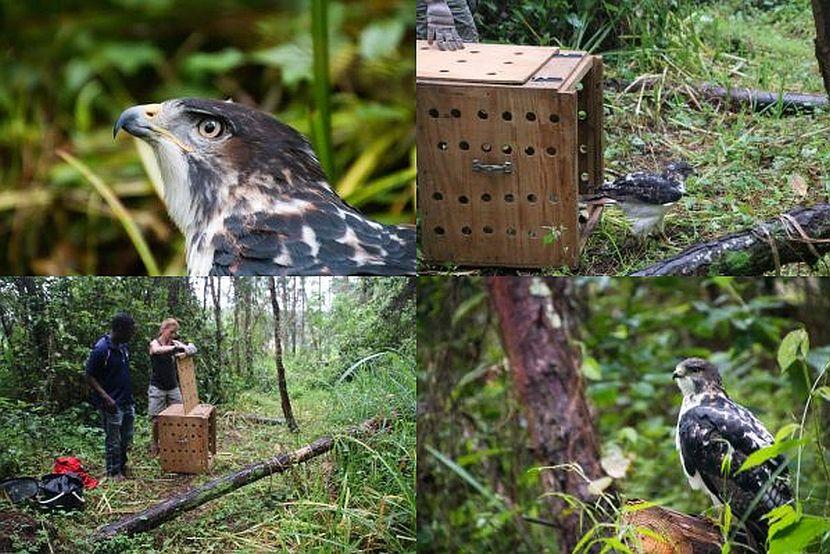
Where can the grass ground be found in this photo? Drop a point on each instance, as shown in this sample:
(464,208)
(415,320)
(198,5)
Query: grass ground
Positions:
(360,496)
(750,166)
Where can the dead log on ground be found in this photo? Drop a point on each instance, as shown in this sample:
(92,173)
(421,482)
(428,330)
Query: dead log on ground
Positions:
(256,418)
(733,98)
(801,235)
(155,515)
(673,532)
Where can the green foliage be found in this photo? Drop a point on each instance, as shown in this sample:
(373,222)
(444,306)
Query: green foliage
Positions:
(69,70)
(633,332)
(359,497)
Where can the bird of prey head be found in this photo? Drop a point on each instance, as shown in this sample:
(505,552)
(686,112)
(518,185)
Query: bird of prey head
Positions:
(696,375)
(251,198)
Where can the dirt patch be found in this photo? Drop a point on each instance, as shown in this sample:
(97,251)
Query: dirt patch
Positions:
(18,531)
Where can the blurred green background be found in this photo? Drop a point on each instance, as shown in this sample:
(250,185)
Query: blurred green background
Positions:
(67,69)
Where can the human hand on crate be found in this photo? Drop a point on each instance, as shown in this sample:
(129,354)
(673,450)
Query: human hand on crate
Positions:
(441,26)
(183,349)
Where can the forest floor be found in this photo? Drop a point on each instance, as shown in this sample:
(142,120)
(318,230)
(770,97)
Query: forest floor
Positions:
(335,502)
(750,167)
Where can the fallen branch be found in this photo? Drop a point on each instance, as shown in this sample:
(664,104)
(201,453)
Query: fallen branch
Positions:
(734,98)
(256,418)
(154,516)
(801,235)
(662,530)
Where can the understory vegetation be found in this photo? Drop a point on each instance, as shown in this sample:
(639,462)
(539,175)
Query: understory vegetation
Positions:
(349,355)
(479,478)
(750,166)
(69,70)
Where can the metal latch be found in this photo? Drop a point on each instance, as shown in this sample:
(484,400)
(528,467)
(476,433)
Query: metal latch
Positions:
(506,167)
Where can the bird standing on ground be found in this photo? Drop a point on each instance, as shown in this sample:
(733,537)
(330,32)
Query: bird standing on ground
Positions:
(251,198)
(645,198)
(711,426)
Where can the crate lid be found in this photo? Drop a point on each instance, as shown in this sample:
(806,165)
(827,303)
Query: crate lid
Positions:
(485,63)
(186,369)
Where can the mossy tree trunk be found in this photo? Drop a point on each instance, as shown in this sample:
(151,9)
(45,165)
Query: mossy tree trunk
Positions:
(821,14)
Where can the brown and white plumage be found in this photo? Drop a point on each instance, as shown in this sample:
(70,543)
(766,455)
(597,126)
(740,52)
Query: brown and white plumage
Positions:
(251,198)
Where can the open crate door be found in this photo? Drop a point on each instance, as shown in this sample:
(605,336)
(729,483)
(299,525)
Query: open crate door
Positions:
(186,368)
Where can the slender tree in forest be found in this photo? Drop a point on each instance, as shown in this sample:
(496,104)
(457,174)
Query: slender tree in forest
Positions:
(286,402)
(216,295)
(538,324)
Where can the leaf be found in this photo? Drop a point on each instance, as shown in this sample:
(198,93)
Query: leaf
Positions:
(598,485)
(381,38)
(797,537)
(823,392)
(213,62)
(786,431)
(614,462)
(591,368)
(760,456)
(798,184)
(294,60)
(782,517)
(794,346)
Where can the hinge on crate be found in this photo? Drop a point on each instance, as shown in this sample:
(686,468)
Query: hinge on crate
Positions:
(506,167)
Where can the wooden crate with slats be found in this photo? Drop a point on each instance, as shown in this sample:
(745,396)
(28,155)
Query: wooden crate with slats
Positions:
(508,138)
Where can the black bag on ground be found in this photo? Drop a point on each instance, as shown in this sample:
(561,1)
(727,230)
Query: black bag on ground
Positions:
(18,489)
(61,491)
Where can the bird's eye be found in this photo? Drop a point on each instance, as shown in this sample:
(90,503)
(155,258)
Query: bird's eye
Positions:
(210,128)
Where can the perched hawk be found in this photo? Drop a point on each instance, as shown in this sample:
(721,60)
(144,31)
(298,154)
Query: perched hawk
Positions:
(646,197)
(709,426)
(251,198)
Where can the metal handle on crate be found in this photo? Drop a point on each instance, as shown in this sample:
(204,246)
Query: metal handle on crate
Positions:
(506,167)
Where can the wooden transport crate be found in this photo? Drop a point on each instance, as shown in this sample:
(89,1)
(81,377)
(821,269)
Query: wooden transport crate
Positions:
(508,137)
(187,432)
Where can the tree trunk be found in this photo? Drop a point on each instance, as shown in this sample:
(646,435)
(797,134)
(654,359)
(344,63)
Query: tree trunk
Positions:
(155,515)
(216,295)
(286,402)
(801,235)
(537,325)
(237,339)
(821,14)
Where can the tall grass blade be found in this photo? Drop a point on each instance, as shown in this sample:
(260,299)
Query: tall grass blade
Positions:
(118,209)
(321,88)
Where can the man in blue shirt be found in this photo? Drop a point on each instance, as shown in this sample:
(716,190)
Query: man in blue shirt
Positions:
(108,373)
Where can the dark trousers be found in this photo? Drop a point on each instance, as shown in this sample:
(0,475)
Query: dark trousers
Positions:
(118,428)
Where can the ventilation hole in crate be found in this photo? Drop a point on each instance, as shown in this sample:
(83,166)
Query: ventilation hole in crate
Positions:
(550,150)
(554,118)
(437,196)
(509,198)
(518,53)
(583,148)
(507,116)
(582,115)
(466,230)
(530,150)
(553,198)
(474,51)
(424,47)
(433,112)
(482,114)
(508,62)
(464,145)
(486,197)
(487,230)
(507,149)
(461,61)
(531,234)
(455,112)
(492,73)
(463,199)
(442,145)
(584,177)
(443,70)
(511,231)
(579,86)
(531,198)
(439,230)
(486,146)
(530,116)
